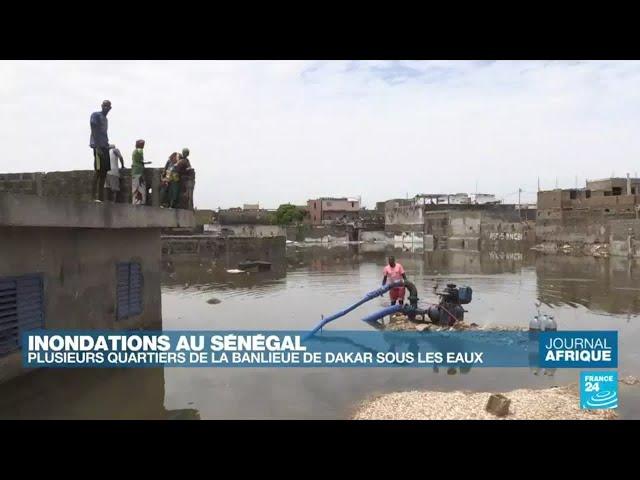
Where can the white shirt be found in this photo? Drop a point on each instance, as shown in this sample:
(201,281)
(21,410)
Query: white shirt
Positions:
(114,157)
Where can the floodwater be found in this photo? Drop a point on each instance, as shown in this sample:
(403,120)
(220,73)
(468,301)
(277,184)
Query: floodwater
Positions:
(581,292)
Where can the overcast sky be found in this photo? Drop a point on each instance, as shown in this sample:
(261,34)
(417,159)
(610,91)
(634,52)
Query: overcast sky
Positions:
(273,132)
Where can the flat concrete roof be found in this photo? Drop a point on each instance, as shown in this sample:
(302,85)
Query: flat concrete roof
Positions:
(19,210)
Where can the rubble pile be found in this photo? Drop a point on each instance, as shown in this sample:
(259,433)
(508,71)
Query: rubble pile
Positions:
(400,322)
(556,403)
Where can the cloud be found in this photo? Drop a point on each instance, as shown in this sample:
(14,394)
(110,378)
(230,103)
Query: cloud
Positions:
(275,132)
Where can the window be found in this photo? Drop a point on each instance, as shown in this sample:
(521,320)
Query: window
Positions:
(587,193)
(21,309)
(633,190)
(128,290)
(352,204)
(573,194)
(617,190)
(328,204)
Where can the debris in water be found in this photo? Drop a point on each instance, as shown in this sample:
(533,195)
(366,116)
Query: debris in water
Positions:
(213,301)
(235,270)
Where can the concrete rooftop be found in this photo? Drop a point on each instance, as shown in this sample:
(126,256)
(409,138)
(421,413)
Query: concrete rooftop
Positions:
(21,210)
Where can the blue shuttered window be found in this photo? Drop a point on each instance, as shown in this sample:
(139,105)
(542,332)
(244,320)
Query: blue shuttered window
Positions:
(128,289)
(21,309)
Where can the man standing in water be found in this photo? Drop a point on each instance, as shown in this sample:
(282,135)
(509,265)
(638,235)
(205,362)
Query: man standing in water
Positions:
(394,272)
(99,142)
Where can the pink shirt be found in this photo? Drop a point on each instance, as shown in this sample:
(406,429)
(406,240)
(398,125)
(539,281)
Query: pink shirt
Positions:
(393,274)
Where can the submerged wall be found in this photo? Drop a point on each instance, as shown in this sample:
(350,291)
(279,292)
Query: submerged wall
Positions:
(227,252)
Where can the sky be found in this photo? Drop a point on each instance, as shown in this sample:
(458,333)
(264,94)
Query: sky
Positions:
(273,132)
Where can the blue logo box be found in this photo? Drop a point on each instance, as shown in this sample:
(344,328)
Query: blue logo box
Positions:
(599,390)
(579,349)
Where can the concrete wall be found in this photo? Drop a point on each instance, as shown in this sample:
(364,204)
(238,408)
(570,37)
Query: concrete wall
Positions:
(32,211)
(573,232)
(246,230)
(318,233)
(375,236)
(77,184)
(79,270)
(404,219)
(243,217)
(624,238)
(227,251)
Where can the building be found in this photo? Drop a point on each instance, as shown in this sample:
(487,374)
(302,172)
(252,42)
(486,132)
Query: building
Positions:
(457,220)
(327,210)
(71,264)
(586,215)
(240,216)
(483,198)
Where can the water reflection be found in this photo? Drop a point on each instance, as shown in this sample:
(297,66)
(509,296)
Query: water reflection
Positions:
(123,394)
(603,285)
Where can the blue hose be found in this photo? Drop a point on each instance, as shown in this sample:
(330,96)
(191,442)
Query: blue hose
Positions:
(369,296)
(382,313)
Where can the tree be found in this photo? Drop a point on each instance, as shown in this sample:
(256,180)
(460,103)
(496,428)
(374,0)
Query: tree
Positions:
(288,214)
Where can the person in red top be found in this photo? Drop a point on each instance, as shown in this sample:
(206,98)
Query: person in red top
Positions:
(394,272)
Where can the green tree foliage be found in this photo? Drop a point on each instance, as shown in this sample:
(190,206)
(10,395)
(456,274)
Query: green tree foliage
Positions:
(288,214)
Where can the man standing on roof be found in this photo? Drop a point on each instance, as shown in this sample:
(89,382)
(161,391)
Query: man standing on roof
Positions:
(99,142)
(394,272)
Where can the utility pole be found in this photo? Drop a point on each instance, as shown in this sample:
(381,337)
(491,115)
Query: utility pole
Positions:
(538,183)
(519,192)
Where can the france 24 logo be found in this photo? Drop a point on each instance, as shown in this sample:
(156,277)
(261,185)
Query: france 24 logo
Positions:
(599,390)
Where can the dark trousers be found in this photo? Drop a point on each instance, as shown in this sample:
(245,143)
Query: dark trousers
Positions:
(174,194)
(101,164)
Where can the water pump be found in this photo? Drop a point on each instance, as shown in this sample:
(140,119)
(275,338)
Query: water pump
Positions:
(450,309)
(447,312)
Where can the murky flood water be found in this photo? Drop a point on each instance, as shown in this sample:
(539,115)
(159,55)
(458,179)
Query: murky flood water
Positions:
(582,293)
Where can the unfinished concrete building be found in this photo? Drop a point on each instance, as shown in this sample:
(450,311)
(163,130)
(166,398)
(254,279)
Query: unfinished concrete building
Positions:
(458,225)
(604,211)
(73,264)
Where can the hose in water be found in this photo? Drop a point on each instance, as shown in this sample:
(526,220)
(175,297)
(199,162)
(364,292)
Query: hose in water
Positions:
(369,296)
(383,313)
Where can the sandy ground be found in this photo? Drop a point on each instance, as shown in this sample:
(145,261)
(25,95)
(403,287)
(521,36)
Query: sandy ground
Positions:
(558,403)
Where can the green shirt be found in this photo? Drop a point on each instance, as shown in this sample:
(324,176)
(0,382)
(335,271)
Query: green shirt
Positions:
(137,167)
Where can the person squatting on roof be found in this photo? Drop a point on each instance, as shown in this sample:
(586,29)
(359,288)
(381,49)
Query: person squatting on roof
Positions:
(113,175)
(99,142)
(138,186)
